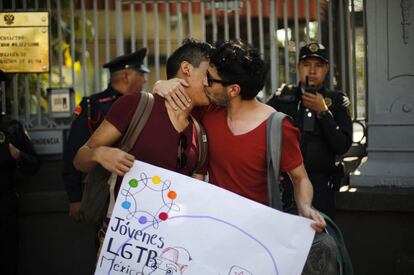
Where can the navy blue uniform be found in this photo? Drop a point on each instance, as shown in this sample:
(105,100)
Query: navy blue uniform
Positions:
(89,115)
(322,139)
(12,132)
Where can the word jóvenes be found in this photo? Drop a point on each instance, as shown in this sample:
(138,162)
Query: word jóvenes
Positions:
(128,250)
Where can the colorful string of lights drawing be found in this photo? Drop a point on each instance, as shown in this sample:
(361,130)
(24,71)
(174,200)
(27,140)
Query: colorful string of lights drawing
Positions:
(155,184)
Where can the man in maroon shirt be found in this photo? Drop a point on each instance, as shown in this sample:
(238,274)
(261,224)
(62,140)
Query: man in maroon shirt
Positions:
(237,133)
(165,129)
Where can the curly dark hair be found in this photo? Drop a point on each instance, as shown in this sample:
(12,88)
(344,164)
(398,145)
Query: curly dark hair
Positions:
(192,51)
(239,63)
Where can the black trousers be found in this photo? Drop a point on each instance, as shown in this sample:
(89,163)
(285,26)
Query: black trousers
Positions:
(323,194)
(9,233)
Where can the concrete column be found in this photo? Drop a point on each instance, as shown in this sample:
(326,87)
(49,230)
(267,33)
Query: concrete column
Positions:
(119,29)
(390,65)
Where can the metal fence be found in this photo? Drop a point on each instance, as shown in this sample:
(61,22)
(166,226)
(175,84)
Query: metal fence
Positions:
(85,34)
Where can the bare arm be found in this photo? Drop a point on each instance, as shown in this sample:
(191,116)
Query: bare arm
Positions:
(98,149)
(303,196)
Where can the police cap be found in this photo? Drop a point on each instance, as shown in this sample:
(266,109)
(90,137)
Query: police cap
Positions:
(133,61)
(314,50)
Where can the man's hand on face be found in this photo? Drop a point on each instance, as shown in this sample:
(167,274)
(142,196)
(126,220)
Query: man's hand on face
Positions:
(315,102)
(173,90)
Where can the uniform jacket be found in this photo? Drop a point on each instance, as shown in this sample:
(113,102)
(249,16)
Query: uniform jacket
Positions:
(88,116)
(12,131)
(331,134)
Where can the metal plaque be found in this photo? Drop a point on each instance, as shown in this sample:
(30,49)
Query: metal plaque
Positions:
(24,42)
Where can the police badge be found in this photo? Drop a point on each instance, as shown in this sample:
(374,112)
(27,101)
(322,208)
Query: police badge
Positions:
(314,47)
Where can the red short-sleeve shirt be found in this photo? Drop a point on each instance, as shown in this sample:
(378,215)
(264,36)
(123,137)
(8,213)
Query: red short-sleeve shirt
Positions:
(238,162)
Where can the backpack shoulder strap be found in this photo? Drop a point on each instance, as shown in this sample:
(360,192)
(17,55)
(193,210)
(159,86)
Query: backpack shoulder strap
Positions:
(343,258)
(202,144)
(138,121)
(273,148)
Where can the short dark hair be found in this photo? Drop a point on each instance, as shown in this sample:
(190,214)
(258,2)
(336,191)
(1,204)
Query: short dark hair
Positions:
(192,51)
(239,63)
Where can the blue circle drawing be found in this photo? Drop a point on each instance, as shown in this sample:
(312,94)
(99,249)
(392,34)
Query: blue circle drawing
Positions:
(126,204)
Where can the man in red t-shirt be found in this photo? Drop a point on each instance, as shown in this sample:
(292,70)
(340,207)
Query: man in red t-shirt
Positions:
(237,133)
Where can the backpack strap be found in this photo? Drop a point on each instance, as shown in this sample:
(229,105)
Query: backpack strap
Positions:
(273,148)
(202,144)
(328,251)
(138,121)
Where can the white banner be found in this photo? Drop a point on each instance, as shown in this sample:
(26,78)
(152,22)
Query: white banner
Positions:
(167,223)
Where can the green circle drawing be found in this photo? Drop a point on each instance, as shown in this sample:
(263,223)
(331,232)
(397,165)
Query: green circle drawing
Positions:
(133,183)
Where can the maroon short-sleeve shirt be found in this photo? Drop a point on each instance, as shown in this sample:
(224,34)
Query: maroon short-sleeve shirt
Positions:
(158,142)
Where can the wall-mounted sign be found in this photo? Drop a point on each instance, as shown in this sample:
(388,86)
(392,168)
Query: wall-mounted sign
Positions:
(47,142)
(24,42)
(61,102)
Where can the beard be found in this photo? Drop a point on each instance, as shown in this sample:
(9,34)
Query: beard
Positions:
(218,99)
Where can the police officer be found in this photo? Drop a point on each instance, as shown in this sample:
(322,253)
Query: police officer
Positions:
(17,155)
(324,122)
(127,76)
